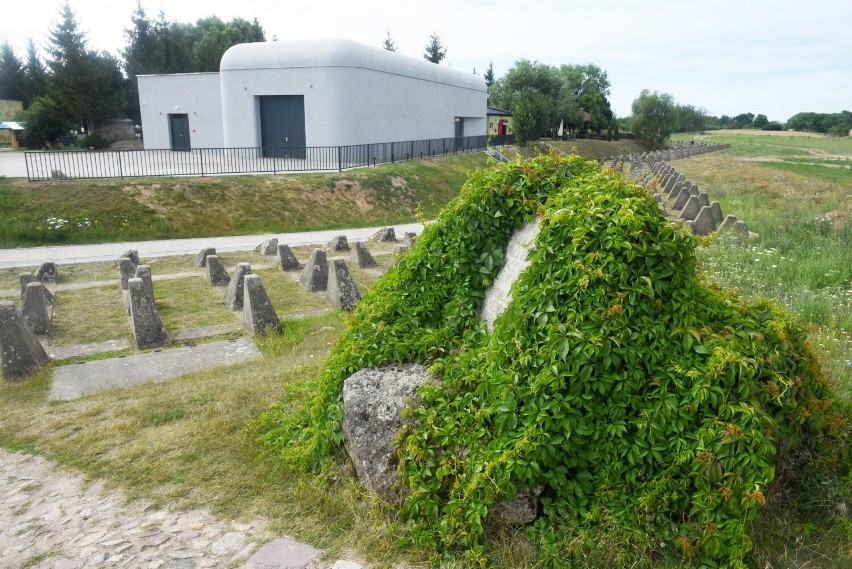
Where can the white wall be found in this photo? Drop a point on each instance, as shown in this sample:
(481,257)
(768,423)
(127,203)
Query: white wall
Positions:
(194,94)
(345,105)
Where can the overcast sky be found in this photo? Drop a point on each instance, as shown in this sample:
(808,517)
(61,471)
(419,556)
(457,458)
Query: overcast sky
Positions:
(776,57)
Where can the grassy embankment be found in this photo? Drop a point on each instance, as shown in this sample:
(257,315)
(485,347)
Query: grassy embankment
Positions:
(187,443)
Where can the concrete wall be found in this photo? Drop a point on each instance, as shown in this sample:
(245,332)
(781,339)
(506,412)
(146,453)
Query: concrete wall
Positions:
(194,94)
(345,106)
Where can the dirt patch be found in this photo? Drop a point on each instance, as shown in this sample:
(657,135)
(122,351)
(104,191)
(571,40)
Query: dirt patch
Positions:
(147,196)
(758,159)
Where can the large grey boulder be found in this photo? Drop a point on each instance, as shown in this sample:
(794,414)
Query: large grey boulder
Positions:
(20,351)
(216,273)
(286,259)
(315,275)
(234,293)
(148,329)
(258,314)
(36,309)
(341,291)
(372,401)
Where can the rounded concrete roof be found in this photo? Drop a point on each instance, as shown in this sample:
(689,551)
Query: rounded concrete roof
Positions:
(341,53)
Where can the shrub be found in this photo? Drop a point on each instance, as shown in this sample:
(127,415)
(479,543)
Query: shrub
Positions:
(95,141)
(643,401)
(772,126)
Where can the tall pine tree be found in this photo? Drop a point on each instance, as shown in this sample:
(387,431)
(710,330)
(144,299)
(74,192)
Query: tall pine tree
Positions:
(11,74)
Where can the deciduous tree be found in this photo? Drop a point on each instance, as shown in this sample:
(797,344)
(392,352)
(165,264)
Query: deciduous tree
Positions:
(654,117)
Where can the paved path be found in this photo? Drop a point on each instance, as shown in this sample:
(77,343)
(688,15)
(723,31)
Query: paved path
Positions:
(51,519)
(65,254)
(12,164)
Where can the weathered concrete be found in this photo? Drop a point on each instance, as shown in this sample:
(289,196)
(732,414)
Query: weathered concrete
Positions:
(384,234)
(142,272)
(46,271)
(268,247)
(690,210)
(703,223)
(234,293)
(259,316)
(201,258)
(315,275)
(216,273)
(126,270)
(372,401)
(20,351)
(133,255)
(681,199)
(64,353)
(497,296)
(341,291)
(148,330)
(338,243)
(25,279)
(716,210)
(286,259)
(361,256)
(36,310)
(703,199)
(728,223)
(70,382)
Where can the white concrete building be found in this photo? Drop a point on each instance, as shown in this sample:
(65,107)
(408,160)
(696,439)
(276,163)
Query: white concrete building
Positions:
(311,93)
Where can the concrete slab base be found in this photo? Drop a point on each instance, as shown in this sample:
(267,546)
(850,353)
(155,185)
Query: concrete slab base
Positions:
(70,382)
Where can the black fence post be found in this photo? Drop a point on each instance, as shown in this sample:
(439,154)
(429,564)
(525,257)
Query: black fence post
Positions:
(339,159)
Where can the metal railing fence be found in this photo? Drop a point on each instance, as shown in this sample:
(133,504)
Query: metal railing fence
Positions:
(86,164)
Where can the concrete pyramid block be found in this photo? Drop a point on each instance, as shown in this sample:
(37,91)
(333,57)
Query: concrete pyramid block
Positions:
(36,309)
(361,256)
(703,199)
(728,223)
(133,255)
(142,272)
(268,247)
(234,294)
(126,270)
(148,329)
(286,259)
(258,314)
(216,273)
(20,351)
(716,209)
(383,235)
(691,209)
(338,243)
(315,275)
(341,292)
(46,271)
(201,257)
(703,222)
(25,279)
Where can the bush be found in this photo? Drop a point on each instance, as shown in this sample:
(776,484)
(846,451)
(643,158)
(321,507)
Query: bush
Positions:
(774,125)
(643,402)
(95,141)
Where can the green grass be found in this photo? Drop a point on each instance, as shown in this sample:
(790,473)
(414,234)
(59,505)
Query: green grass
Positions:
(94,211)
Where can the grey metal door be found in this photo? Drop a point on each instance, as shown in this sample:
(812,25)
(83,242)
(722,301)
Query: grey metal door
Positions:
(282,125)
(179,132)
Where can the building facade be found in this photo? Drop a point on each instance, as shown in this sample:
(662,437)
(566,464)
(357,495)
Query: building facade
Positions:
(280,95)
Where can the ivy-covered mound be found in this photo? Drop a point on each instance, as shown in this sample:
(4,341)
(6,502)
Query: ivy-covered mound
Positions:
(637,396)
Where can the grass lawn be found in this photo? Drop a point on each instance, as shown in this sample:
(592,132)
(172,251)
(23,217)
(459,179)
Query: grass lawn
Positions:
(189,442)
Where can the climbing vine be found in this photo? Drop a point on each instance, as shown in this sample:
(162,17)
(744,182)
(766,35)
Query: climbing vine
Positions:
(631,392)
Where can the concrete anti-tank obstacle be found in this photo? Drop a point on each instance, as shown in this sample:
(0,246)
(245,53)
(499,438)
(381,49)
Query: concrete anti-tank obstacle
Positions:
(716,210)
(338,243)
(361,256)
(20,351)
(201,257)
(384,234)
(342,291)
(36,310)
(728,223)
(133,255)
(142,272)
(268,247)
(46,271)
(703,222)
(315,275)
(234,294)
(286,259)
(691,209)
(703,199)
(259,316)
(681,199)
(25,279)
(148,329)
(216,273)
(126,270)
